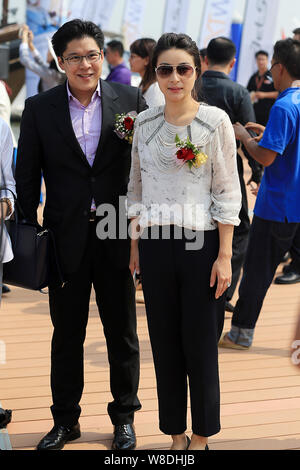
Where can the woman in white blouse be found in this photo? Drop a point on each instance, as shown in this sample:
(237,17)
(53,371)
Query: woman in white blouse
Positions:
(141,52)
(173,199)
(6,198)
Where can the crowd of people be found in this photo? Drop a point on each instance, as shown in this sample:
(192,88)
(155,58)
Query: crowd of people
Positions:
(192,125)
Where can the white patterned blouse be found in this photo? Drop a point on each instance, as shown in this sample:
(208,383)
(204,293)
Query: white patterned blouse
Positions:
(163,190)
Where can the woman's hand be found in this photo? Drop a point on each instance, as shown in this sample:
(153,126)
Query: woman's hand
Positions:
(134,264)
(222,273)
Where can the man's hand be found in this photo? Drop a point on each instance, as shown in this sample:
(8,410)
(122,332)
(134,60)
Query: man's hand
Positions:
(3,210)
(240,132)
(262,155)
(257,128)
(254,189)
(260,95)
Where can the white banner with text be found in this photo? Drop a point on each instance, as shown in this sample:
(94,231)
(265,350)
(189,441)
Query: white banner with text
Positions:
(98,11)
(176,16)
(133,21)
(258,34)
(217,19)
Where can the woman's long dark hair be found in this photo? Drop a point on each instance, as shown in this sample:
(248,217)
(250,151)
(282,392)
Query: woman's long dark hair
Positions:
(180,41)
(144,47)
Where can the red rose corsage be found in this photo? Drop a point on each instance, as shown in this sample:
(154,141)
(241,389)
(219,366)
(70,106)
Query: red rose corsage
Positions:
(190,153)
(124,125)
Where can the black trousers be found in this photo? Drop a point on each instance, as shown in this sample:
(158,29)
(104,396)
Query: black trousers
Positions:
(69,309)
(240,235)
(295,252)
(185,322)
(268,243)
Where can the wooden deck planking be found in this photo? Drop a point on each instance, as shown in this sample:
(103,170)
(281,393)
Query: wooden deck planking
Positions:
(260,388)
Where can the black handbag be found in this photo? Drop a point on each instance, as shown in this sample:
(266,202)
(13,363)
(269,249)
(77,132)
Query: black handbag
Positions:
(35,264)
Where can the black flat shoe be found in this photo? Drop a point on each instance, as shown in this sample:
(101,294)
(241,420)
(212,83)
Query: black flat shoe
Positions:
(5,418)
(124,437)
(58,437)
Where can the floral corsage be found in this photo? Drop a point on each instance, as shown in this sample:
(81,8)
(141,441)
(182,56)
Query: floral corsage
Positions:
(124,125)
(190,153)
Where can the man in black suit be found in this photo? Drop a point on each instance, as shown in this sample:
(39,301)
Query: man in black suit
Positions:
(219,90)
(67,134)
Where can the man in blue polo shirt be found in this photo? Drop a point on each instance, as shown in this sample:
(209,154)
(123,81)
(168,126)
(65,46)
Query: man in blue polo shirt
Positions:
(277,210)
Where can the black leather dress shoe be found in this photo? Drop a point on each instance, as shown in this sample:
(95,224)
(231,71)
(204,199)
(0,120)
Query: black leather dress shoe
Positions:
(124,437)
(58,437)
(5,418)
(5,289)
(289,277)
(287,268)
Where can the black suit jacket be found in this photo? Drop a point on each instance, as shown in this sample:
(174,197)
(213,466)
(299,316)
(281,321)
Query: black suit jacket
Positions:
(48,146)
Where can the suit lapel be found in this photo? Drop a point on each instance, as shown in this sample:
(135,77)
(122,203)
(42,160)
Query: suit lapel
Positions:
(63,121)
(109,111)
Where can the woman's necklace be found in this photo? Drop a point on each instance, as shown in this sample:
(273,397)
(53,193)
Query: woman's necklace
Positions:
(163,144)
(164,152)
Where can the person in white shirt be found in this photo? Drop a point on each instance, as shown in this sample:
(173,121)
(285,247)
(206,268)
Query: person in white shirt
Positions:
(6,210)
(30,58)
(184,186)
(140,61)
(7,187)
(5,104)
(5,108)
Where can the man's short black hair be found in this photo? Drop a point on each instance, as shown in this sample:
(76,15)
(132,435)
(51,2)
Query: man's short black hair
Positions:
(287,53)
(116,46)
(75,29)
(203,53)
(261,53)
(297,31)
(221,51)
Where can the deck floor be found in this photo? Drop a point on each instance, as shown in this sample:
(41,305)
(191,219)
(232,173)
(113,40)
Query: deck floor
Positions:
(260,388)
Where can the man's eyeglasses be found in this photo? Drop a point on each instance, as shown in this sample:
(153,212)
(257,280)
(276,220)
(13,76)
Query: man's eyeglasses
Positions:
(275,63)
(183,70)
(77,59)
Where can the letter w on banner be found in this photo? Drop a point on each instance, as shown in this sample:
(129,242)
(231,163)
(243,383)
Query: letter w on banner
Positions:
(217,19)
(176,16)
(258,33)
(133,21)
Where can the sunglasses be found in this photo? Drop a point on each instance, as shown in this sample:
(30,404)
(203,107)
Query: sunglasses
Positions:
(184,70)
